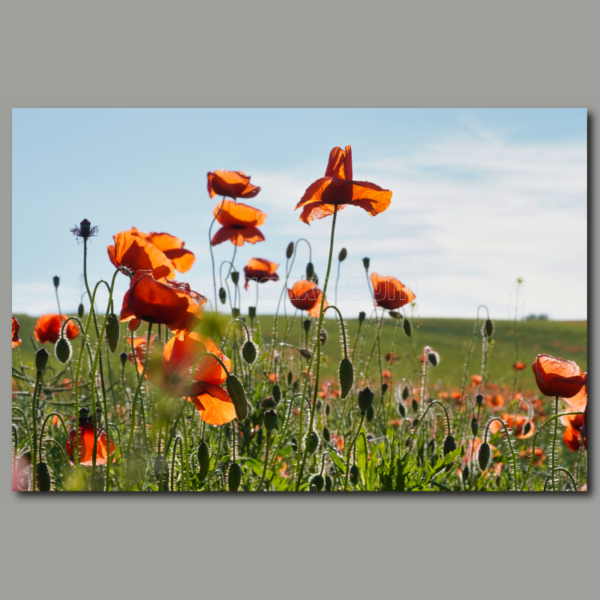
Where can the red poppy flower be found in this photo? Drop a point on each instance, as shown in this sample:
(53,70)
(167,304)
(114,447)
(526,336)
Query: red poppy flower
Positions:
(47,328)
(517,424)
(579,401)
(558,377)
(172,247)
(391,357)
(16,340)
(171,372)
(495,400)
(132,251)
(260,270)
(519,366)
(233,184)
(171,303)
(86,445)
(240,223)
(305,295)
(456,396)
(385,374)
(389,292)
(572,434)
(337,188)
(540,456)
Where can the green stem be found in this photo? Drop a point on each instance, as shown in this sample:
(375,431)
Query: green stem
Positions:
(554,444)
(34,417)
(260,484)
(362,418)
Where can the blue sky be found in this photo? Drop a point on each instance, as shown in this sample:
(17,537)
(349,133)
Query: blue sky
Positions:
(480,197)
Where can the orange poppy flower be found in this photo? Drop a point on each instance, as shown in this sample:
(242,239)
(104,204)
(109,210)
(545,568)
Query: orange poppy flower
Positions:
(233,184)
(171,303)
(456,396)
(579,401)
(517,425)
(386,374)
(86,445)
(239,223)
(337,188)
(16,340)
(572,434)
(260,270)
(139,347)
(172,247)
(389,292)
(495,400)
(445,396)
(558,377)
(337,441)
(47,328)
(130,250)
(540,456)
(476,379)
(305,295)
(519,366)
(171,372)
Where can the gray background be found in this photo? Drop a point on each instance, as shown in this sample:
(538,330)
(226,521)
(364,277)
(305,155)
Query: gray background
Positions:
(455,54)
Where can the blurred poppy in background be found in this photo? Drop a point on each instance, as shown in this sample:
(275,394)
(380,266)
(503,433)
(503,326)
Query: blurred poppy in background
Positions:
(16,340)
(47,328)
(389,292)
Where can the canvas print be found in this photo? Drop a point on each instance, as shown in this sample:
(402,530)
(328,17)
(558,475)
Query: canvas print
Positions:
(299,300)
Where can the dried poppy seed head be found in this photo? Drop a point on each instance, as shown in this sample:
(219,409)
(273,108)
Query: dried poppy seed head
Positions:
(85,230)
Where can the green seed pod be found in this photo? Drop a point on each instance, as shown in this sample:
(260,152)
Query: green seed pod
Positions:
(479,399)
(327,409)
(474,425)
(63,350)
(270,420)
(449,445)
(203,459)
(370,414)
(222,295)
(306,324)
(483,456)
(236,392)
(366,263)
(407,327)
(81,311)
(235,313)
(98,481)
(312,442)
(310,270)
(290,377)
(56,280)
(113,332)
(43,474)
(365,400)
(489,328)
(123,356)
(318,481)
(328,483)
(289,252)
(326,434)
(361,317)
(415,423)
(249,352)
(346,377)
(235,277)
(354,474)
(415,405)
(41,360)
(234,477)
(252,312)
(401,409)
(342,255)
(433,358)
(465,473)
(268,403)
(276,393)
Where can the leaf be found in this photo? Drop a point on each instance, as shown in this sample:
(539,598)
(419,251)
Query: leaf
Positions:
(361,454)
(338,461)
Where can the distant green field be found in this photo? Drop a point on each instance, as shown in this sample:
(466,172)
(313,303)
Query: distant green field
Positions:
(449,337)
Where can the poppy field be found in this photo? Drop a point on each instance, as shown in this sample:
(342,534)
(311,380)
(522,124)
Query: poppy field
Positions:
(166,389)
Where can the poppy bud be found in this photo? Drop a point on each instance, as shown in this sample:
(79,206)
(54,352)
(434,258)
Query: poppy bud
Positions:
(235,313)
(415,405)
(346,377)
(365,399)
(433,358)
(474,425)
(361,317)
(203,455)
(465,473)
(236,392)
(354,474)
(81,311)
(56,281)
(268,402)
(312,441)
(489,328)
(270,420)
(384,388)
(84,413)
(222,295)
(113,332)
(431,446)
(306,324)
(276,393)
(449,445)
(290,377)
(407,327)
(252,312)
(479,399)
(234,477)
(310,270)
(305,353)
(370,414)
(401,409)
(123,356)
(63,350)
(319,404)
(41,360)
(43,474)
(394,314)
(318,482)
(326,434)
(483,457)
(323,337)
(235,277)
(327,409)
(405,392)
(342,255)
(289,252)
(249,351)
(366,263)
(328,483)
